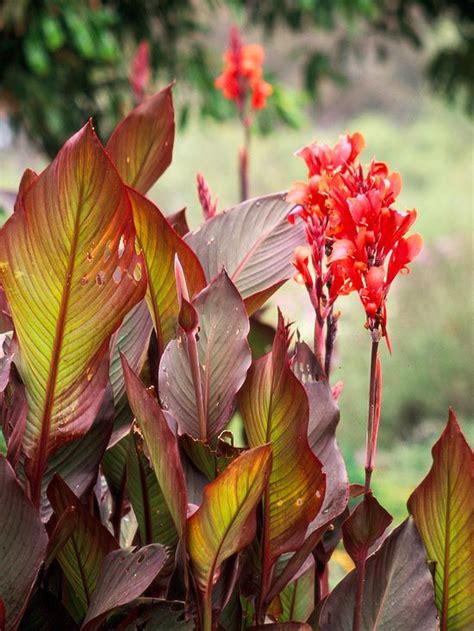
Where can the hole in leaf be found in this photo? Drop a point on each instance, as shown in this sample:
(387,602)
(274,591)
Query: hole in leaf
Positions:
(84,280)
(90,256)
(121,247)
(137,272)
(100,278)
(117,275)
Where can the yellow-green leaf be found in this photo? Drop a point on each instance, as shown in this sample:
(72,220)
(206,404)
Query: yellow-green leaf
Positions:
(70,273)
(226,521)
(442,507)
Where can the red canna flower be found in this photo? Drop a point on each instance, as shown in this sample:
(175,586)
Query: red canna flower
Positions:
(140,72)
(356,236)
(242,79)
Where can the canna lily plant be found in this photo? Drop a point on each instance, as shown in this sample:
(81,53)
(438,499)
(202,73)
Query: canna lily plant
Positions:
(129,348)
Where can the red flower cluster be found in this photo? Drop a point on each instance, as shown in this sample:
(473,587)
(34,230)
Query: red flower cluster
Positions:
(352,225)
(243,74)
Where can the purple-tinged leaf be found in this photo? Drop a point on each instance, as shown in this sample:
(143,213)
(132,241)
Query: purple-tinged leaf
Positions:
(443,509)
(323,421)
(132,339)
(398,590)
(124,576)
(179,222)
(254,242)
(23,542)
(223,358)
(160,245)
(364,527)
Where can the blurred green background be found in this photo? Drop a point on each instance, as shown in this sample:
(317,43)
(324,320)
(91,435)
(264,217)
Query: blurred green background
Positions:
(404,82)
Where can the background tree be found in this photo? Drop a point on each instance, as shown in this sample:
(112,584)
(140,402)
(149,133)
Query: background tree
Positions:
(64,60)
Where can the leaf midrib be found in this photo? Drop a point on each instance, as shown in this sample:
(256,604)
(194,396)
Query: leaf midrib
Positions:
(40,461)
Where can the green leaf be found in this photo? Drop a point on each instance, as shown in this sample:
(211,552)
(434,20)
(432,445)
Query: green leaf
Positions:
(155,522)
(254,243)
(81,556)
(442,506)
(124,576)
(223,357)
(296,600)
(398,590)
(162,447)
(23,542)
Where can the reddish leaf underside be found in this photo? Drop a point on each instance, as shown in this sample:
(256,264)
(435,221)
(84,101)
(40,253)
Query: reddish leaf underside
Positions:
(223,357)
(398,591)
(70,273)
(443,509)
(254,242)
(124,576)
(23,542)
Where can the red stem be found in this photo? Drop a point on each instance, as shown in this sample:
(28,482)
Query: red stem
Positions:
(360,577)
(371,445)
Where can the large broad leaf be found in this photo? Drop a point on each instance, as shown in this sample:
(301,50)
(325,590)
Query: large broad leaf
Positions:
(70,273)
(323,421)
(124,576)
(162,447)
(132,339)
(226,520)
(274,406)
(223,357)
(155,522)
(141,145)
(23,544)
(89,543)
(160,245)
(442,507)
(254,242)
(398,590)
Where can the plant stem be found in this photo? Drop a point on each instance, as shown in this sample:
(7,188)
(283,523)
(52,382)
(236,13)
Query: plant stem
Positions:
(207,613)
(370,446)
(196,376)
(244,161)
(360,578)
(331,332)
